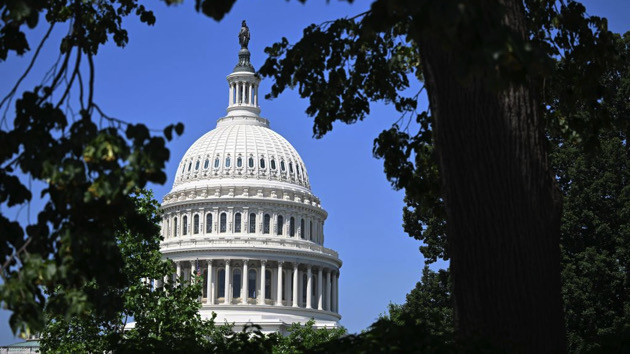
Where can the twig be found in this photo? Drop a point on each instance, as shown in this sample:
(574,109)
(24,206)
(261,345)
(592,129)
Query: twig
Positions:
(91,90)
(15,254)
(77,67)
(30,66)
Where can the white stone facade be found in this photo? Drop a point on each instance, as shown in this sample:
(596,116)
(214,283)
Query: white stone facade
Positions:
(241,215)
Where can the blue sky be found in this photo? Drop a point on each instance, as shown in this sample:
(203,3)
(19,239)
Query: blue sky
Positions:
(175,72)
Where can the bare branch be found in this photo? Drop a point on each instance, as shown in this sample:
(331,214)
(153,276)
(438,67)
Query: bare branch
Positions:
(77,67)
(13,256)
(30,65)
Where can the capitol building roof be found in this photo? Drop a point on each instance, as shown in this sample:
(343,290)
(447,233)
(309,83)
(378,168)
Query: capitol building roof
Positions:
(243,150)
(242,218)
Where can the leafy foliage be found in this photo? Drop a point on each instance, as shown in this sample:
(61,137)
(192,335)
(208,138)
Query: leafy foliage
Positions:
(305,338)
(595,241)
(166,318)
(88,168)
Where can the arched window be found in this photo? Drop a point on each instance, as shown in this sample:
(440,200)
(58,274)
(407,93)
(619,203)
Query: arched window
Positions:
(197,165)
(236,283)
(206,164)
(228,162)
(239,162)
(223,226)
(291,167)
(267,284)
(292,227)
(280,224)
(175,229)
(221,283)
(282,167)
(252,223)
(310,231)
(184,225)
(251,284)
(196,224)
(168,227)
(216,163)
(189,166)
(250,163)
(302,229)
(262,163)
(208,223)
(273,164)
(237,222)
(297,170)
(184,168)
(266,223)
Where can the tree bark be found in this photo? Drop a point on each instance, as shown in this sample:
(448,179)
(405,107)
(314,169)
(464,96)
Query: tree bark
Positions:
(503,207)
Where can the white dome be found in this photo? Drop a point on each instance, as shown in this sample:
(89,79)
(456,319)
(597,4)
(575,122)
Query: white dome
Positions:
(241,148)
(241,215)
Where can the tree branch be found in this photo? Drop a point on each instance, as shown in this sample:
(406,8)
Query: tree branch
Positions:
(13,256)
(30,66)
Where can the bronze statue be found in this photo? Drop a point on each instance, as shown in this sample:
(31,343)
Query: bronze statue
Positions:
(243,35)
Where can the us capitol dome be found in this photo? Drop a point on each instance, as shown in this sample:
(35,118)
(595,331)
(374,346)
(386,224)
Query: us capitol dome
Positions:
(241,215)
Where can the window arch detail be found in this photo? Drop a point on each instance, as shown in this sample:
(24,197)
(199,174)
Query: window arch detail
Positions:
(266,223)
(223,222)
(280,224)
(252,223)
(237,222)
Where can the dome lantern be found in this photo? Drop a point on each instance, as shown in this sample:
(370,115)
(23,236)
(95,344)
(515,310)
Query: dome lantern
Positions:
(243,82)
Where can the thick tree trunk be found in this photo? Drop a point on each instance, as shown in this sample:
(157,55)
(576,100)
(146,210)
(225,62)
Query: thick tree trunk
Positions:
(502,205)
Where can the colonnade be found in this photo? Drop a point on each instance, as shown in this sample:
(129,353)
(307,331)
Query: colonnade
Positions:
(243,92)
(263,282)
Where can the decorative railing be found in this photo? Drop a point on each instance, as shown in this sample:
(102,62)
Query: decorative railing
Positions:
(174,244)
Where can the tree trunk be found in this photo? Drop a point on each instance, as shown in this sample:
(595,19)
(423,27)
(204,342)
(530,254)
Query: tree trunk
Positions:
(503,208)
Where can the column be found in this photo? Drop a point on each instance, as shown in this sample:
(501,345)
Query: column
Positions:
(231,94)
(179,271)
(295,284)
(193,270)
(309,287)
(279,292)
(337,292)
(319,289)
(226,297)
(328,291)
(165,280)
(245,285)
(263,285)
(251,94)
(210,296)
(334,293)
(256,97)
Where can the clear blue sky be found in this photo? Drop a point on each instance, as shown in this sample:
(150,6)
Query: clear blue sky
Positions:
(175,72)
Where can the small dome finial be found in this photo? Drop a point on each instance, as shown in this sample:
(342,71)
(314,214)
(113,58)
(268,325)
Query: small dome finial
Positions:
(243,55)
(243,35)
